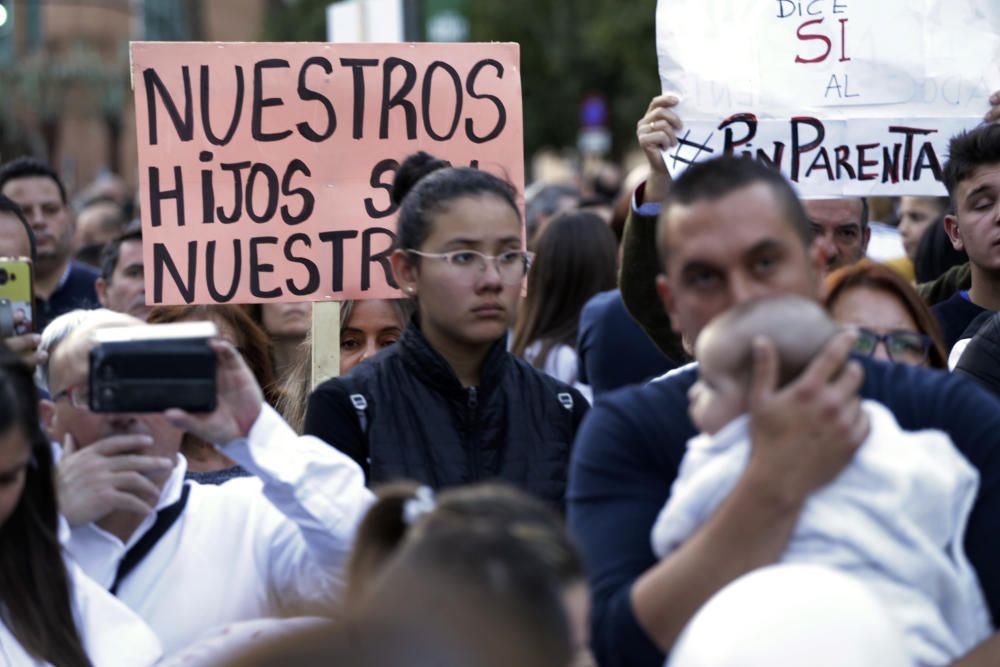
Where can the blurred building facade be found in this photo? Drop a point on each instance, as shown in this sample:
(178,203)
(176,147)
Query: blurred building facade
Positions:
(64,74)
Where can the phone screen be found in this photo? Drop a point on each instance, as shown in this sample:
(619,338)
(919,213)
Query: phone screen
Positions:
(15,286)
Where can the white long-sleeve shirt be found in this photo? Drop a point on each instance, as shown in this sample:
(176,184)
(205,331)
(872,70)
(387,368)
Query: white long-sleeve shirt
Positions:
(271,545)
(111,633)
(894,518)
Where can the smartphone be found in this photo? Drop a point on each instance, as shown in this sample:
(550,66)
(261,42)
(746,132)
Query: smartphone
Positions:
(153,367)
(17,287)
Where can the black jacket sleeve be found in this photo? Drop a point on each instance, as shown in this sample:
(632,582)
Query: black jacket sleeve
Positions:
(637,280)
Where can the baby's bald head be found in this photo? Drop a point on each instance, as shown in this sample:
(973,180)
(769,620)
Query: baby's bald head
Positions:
(798,328)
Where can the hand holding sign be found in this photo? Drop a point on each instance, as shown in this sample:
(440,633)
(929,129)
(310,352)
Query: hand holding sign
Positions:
(656,132)
(993,115)
(844,97)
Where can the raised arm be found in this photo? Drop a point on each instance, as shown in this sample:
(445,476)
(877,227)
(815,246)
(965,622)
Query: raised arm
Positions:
(318,490)
(655,131)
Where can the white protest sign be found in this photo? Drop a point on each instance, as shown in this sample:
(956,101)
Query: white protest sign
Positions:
(846,97)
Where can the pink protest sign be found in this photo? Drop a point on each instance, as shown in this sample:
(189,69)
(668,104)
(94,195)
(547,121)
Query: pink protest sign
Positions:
(265,169)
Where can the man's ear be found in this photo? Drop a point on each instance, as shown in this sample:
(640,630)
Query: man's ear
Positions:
(47,412)
(951,229)
(667,298)
(101,287)
(405,271)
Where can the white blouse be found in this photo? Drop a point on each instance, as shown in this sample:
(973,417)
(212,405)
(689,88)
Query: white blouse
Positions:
(111,632)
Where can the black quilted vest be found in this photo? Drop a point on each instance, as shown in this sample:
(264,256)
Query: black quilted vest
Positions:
(422,424)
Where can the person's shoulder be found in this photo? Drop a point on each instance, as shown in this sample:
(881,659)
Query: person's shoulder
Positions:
(929,398)
(82,272)
(522,371)
(642,429)
(883,379)
(954,298)
(331,392)
(956,303)
(563,363)
(661,400)
(361,375)
(600,302)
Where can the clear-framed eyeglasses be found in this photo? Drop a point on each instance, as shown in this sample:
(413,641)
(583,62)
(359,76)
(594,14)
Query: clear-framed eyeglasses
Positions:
(78,395)
(512,266)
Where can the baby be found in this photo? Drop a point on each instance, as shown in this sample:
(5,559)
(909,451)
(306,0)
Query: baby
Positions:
(895,517)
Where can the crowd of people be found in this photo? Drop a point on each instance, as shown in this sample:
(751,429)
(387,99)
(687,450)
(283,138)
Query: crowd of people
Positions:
(605,433)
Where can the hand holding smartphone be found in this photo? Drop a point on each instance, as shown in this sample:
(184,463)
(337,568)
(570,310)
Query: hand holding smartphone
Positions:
(17,289)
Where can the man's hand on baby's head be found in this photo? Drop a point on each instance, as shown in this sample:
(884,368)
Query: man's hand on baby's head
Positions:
(806,432)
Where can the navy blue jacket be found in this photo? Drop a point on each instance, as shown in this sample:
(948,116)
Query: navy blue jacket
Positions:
(614,351)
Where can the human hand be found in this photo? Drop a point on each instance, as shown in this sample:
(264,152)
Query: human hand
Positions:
(805,433)
(656,132)
(239,401)
(993,115)
(108,476)
(25,346)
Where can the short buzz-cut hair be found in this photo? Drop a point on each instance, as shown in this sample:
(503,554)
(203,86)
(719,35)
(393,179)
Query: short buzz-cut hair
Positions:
(113,248)
(967,151)
(29,167)
(713,179)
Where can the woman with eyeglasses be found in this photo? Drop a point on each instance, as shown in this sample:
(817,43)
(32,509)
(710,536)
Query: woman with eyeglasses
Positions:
(892,321)
(448,404)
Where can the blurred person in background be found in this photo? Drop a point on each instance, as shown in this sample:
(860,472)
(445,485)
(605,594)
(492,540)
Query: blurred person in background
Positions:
(61,284)
(98,222)
(109,186)
(940,269)
(545,201)
(369,326)
(462,594)
(286,325)
(575,258)
(366,328)
(407,514)
(122,286)
(885,244)
(916,216)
